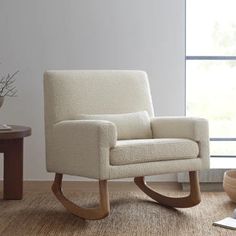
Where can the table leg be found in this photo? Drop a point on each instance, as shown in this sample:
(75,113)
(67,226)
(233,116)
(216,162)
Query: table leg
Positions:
(13,170)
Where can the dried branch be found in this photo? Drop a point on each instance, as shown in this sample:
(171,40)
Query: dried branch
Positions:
(7,87)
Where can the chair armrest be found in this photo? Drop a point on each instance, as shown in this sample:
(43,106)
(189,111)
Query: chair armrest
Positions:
(180,127)
(99,132)
(82,147)
(184,127)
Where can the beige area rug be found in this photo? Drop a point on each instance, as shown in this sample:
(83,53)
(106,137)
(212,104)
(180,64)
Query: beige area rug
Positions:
(132,213)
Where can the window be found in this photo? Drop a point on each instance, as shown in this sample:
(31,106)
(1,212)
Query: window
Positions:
(211,70)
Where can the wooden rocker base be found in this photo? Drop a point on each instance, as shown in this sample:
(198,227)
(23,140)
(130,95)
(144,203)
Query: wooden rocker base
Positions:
(85,213)
(191,200)
(104,206)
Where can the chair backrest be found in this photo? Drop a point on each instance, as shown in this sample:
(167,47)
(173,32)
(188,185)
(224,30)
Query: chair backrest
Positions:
(67,94)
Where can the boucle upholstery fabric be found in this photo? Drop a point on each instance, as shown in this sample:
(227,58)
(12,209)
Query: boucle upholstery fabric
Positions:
(82,148)
(134,125)
(71,93)
(184,127)
(148,150)
(68,94)
(154,168)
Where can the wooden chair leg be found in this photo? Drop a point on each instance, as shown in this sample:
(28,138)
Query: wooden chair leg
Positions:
(191,200)
(86,213)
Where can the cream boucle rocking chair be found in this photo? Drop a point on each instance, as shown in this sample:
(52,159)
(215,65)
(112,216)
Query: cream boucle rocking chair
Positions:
(101,125)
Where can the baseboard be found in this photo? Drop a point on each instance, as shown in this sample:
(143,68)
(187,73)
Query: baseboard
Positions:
(155,178)
(205,176)
(93,186)
(205,187)
(115,186)
(210,180)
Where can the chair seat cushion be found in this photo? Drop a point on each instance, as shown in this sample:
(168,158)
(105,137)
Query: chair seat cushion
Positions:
(150,150)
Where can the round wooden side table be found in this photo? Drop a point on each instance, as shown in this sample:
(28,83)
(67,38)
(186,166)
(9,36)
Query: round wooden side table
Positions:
(11,145)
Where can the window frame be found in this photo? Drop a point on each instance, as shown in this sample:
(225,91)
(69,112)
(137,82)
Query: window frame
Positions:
(206,58)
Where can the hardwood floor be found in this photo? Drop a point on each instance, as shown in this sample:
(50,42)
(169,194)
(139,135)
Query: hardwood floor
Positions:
(87,186)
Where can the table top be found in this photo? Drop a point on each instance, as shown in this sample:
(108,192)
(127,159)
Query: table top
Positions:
(17,131)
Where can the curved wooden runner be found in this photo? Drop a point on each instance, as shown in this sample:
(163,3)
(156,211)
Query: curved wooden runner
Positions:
(192,199)
(86,213)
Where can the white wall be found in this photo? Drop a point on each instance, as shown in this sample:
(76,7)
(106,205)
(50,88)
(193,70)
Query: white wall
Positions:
(75,34)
